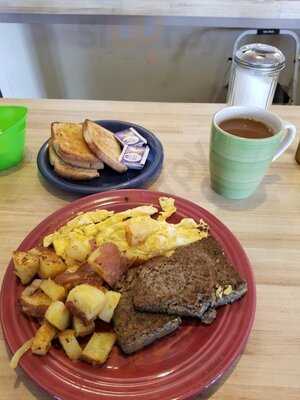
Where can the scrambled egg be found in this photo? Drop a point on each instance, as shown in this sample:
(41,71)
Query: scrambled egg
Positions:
(134,231)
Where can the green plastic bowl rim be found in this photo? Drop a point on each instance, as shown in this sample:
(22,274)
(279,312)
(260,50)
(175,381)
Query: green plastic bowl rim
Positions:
(25,111)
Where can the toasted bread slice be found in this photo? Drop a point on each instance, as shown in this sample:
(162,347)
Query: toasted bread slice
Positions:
(135,329)
(103,143)
(68,171)
(68,142)
(193,280)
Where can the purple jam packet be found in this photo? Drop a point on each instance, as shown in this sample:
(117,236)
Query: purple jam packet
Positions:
(130,137)
(134,157)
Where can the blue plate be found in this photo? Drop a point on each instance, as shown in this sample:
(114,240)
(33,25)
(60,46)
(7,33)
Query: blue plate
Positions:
(109,179)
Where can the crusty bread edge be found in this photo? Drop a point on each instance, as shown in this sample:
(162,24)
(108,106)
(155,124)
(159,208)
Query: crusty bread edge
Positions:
(116,165)
(72,159)
(76,174)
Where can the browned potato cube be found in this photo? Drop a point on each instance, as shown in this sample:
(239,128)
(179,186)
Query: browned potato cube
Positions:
(70,344)
(26,265)
(81,329)
(53,290)
(50,264)
(98,347)
(86,302)
(58,315)
(42,339)
(33,301)
(111,301)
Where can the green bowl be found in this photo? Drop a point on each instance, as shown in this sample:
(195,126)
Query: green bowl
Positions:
(12,135)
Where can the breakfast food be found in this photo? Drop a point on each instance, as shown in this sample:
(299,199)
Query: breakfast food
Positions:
(26,265)
(135,232)
(41,342)
(194,279)
(103,143)
(135,329)
(85,302)
(69,171)
(99,347)
(131,269)
(69,343)
(70,146)
(77,151)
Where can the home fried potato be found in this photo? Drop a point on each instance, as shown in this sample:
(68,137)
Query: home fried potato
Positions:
(26,265)
(70,344)
(42,340)
(78,264)
(111,301)
(82,329)
(85,302)
(108,262)
(53,290)
(58,315)
(33,301)
(99,347)
(50,264)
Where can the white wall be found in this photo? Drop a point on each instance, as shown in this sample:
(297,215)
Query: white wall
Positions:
(177,63)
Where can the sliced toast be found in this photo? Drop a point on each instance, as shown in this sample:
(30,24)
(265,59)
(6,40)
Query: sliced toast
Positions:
(103,144)
(192,281)
(135,329)
(68,171)
(70,146)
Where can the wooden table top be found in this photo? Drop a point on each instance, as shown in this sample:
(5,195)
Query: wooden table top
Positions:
(271,9)
(267,224)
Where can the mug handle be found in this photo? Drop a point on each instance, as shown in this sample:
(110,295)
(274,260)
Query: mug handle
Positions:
(287,140)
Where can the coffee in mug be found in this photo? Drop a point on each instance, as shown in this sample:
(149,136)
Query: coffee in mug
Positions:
(244,141)
(247,128)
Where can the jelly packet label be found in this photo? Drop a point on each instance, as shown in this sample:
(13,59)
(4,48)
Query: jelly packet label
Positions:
(134,157)
(130,137)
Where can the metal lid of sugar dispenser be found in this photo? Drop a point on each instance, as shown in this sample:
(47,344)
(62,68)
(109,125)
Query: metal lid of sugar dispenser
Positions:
(261,57)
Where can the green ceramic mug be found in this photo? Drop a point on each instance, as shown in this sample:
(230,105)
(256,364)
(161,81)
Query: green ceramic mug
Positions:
(238,165)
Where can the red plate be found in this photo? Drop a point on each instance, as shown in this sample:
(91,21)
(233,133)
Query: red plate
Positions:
(193,360)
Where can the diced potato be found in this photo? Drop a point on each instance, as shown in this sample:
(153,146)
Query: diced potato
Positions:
(138,229)
(111,301)
(50,264)
(70,344)
(58,315)
(98,347)
(32,288)
(42,339)
(107,261)
(86,302)
(81,329)
(26,265)
(72,268)
(53,290)
(33,301)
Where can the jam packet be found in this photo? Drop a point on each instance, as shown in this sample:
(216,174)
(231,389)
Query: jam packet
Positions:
(130,137)
(134,157)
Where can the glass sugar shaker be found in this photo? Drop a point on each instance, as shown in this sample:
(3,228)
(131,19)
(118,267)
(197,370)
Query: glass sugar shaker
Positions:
(254,75)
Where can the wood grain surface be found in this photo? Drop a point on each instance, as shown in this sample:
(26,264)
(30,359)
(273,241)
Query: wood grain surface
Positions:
(274,9)
(267,224)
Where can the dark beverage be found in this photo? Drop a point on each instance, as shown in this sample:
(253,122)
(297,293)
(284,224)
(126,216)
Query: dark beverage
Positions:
(247,128)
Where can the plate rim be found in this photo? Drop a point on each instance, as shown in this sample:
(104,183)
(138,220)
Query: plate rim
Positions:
(88,200)
(144,178)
